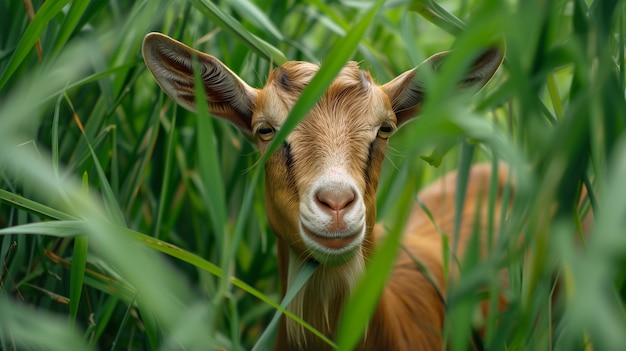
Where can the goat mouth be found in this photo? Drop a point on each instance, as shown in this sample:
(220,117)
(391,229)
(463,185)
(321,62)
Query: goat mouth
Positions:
(332,241)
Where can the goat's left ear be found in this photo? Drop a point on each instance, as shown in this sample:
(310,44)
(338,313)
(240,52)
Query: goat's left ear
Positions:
(406,92)
(227,95)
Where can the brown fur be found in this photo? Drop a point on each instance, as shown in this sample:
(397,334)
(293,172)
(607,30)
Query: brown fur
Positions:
(347,129)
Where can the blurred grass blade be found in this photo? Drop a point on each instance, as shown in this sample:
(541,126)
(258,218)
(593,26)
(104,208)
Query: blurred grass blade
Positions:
(18,105)
(20,323)
(48,11)
(233,27)
(596,270)
(433,12)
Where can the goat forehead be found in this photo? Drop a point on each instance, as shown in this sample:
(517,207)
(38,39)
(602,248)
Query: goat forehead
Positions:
(351,100)
(293,76)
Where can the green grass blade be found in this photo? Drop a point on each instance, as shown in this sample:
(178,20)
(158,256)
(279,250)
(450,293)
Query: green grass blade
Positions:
(103,318)
(122,325)
(33,207)
(61,229)
(234,28)
(70,21)
(167,184)
(335,16)
(360,306)
(110,200)
(465,162)
(55,137)
(266,339)
(79,262)
(555,97)
(208,162)
(252,12)
(203,264)
(213,194)
(337,57)
(143,154)
(436,14)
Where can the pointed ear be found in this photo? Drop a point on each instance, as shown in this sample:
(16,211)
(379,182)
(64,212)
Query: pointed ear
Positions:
(406,92)
(228,96)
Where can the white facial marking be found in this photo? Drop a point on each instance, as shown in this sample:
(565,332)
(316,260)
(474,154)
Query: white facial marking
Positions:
(332,217)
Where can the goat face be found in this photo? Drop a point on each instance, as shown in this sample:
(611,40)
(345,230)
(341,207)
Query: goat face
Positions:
(321,183)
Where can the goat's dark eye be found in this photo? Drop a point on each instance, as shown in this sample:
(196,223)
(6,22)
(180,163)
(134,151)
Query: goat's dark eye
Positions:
(385,130)
(265,132)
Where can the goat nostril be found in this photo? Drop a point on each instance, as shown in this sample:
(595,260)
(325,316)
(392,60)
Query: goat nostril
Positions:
(334,200)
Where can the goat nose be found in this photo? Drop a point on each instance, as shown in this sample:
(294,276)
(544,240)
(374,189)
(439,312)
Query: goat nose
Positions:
(335,202)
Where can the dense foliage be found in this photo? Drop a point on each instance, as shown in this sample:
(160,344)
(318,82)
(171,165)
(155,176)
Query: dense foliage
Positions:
(127,222)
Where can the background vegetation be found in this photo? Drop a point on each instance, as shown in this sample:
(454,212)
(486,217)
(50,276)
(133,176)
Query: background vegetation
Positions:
(128,223)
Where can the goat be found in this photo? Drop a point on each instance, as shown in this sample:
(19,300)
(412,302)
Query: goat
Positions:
(321,186)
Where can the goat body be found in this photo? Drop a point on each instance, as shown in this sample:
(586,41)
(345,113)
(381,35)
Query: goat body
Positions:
(321,183)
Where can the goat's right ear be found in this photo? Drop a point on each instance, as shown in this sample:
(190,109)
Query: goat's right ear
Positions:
(228,96)
(407,91)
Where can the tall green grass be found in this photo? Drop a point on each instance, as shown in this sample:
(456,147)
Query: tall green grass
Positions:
(129,223)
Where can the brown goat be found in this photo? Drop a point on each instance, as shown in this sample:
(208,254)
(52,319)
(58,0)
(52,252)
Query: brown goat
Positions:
(321,186)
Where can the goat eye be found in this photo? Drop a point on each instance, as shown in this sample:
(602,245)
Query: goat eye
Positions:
(385,130)
(265,132)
